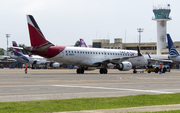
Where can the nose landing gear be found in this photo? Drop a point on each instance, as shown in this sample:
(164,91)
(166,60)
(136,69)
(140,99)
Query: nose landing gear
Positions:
(103,71)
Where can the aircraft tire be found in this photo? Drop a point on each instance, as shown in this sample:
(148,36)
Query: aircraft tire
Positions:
(105,71)
(101,71)
(78,71)
(82,71)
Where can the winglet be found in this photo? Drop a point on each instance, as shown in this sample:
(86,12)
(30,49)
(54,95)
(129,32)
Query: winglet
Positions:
(149,55)
(139,54)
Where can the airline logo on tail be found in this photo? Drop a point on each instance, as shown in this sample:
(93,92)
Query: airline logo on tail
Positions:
(82,43)
(37,38)
(18,53)
(172,49)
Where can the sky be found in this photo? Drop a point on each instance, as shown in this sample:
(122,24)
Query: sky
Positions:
(63,22)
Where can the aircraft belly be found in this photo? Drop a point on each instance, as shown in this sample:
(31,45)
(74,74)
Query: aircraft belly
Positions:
(135,61)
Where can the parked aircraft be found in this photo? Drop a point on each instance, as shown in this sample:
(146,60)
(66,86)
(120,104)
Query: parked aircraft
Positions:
(84,58)
(173,53)
(34,60)
(149,59)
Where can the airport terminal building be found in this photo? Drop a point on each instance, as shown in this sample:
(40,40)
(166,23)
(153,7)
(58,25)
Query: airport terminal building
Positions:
(146,47)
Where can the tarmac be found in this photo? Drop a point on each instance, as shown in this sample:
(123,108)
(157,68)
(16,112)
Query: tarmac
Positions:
(41,84)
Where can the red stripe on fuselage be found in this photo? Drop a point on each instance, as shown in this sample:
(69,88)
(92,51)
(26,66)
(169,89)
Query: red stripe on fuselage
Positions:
(50,52)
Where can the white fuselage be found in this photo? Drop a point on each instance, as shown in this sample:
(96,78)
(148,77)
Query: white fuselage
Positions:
(90,56)
(29,60)
(164,57)
(154,56)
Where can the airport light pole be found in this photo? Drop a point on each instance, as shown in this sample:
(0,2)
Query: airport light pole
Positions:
(7,36)
(140,30)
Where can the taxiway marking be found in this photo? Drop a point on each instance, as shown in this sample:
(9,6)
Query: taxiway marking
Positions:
(136,90)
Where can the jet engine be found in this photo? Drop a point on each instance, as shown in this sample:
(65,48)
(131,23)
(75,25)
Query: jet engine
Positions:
(124,66)
(54,64)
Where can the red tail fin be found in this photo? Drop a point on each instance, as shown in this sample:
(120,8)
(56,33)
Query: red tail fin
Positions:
(38,41)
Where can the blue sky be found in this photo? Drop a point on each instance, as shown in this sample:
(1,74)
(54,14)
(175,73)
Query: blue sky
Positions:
(63,22)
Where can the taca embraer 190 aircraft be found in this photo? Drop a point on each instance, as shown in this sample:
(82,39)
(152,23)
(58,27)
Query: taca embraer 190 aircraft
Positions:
(84,58)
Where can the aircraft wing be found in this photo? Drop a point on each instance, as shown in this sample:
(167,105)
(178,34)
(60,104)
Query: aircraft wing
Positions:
(158,60)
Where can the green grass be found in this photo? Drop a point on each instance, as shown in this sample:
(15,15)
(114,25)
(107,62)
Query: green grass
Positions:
(88,103)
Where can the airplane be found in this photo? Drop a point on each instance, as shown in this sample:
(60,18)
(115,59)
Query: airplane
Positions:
(173,53)
(150,60)
(84,58)
(35,60)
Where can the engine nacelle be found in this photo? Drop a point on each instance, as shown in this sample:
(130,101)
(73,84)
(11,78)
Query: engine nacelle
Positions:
(124,66)
(55,64)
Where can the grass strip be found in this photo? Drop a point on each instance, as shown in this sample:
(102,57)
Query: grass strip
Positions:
(88,103)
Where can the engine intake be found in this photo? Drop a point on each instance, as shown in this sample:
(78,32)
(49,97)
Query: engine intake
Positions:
(124,66)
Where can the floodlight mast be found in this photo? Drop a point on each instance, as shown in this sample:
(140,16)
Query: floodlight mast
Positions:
(140,30)
(7,36)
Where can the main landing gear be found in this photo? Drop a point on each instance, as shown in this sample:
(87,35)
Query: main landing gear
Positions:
(103,71)
(135,71)
(80,71)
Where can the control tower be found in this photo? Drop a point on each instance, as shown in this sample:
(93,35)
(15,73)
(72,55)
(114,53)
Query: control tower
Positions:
(161,16)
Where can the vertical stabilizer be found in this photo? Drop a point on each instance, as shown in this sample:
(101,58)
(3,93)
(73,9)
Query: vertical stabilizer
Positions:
(82,43)
(171,47)
(15,49)
(38,41)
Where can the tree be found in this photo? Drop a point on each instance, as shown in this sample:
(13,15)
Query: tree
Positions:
(77,44)
(1,51)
